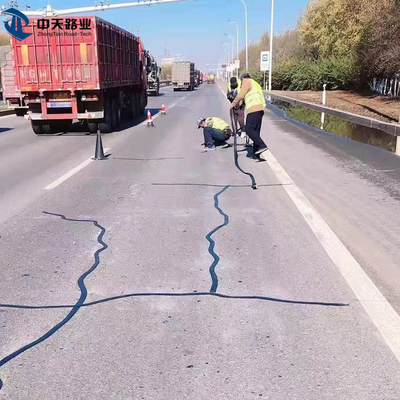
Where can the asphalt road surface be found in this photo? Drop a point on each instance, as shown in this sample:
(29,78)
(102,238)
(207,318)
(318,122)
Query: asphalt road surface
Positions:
(160,274)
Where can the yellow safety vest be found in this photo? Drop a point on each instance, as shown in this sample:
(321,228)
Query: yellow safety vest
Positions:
(239,82)
(255,97)
(218,123)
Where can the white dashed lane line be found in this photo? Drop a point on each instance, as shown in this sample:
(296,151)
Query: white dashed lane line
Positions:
(70,173)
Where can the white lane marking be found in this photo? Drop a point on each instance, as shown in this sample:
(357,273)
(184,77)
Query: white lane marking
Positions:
(70,173)
(222,91)
(382,314)
(168,108)
(8,116)
(178,101)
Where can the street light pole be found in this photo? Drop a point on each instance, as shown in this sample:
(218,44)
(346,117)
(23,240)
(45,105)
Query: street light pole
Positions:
(237,46)
(245,21)
(49,11)
(271,39)
(233,45)
(227,55)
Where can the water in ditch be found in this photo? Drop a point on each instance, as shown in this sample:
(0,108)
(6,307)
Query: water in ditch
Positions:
(338,126)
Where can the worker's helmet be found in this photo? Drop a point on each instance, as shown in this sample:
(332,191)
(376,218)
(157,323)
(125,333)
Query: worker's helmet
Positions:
(199,121)
(245,75)
(233,82)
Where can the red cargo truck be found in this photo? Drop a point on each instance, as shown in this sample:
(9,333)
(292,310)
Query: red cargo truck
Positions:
(95,74)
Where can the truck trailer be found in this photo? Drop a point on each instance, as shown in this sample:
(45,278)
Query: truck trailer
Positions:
(197,78)
(183,75)
(11,95)
(97,74)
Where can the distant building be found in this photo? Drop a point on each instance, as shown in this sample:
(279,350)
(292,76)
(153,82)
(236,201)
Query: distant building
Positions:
(167,61)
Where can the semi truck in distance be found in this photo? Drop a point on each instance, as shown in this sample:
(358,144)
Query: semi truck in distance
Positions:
(11,95)
(153,75)
(96,75)
(183,75)
(211,78)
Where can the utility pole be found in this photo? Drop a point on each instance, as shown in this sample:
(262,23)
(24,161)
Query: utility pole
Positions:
(271,39)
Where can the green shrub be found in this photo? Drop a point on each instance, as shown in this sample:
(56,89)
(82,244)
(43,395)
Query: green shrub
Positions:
(335,72)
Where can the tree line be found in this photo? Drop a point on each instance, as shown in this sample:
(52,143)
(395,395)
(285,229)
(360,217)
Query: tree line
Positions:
(343,43)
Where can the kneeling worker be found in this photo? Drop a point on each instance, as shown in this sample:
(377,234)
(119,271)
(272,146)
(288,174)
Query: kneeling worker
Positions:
(253,97)
(216,132)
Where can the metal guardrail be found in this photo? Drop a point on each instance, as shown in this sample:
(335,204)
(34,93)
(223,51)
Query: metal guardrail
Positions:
(392,129)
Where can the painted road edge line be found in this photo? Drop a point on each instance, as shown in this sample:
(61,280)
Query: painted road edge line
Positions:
(382,314)
(70,173)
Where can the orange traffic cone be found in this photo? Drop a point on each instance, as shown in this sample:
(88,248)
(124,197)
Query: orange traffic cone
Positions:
(163,110)
(149,119)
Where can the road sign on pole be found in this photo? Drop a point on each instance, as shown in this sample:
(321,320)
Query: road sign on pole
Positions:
(264,61)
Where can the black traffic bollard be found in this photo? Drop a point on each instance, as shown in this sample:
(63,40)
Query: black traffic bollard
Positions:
(99,152)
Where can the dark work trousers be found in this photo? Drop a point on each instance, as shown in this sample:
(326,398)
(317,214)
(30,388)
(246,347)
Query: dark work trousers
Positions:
(253,129)
(239,118)
(214,137)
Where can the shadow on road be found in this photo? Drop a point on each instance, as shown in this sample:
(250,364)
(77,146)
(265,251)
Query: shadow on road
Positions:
(81,129)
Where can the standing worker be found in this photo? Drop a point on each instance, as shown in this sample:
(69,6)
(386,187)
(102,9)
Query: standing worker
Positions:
(253,97)
(234,86)
(216,132)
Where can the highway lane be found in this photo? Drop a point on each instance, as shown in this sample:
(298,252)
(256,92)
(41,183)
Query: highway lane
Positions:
(156,333)
(30,162)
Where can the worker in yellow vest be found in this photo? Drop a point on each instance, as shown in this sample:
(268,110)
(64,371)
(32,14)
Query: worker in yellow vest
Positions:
(234,86)
(254,100)
(216,132)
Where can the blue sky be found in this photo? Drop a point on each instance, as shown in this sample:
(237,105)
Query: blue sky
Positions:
(193,28)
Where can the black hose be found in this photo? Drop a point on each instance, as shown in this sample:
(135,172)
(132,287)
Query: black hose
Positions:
(235,153)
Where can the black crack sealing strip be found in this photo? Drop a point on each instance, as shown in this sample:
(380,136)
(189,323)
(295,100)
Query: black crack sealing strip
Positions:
(211,246)
(167,294)
(81,285)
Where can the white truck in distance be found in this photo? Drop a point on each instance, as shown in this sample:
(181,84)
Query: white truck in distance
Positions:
(183,75)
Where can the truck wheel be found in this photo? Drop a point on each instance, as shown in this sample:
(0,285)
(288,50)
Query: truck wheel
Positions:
(47,129)
(92,127)
(115,115)
(20,112)
(105,126)
(63,125)
(142,103)
(132,106)
(37,127)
